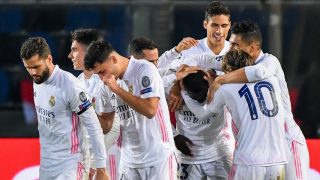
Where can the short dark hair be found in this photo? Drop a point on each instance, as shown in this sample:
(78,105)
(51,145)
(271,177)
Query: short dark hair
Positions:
(236,59)
(248,30)
(33,46)
(97,52)
(139,44)
(196,86)
(216,8)
(86,36)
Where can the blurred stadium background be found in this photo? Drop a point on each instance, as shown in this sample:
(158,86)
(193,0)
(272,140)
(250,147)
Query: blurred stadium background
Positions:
(289,30)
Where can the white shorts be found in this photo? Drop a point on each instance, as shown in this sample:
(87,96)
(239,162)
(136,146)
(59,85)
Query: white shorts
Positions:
(243,172)
(218,169)
(76,173)
(165,171)
(113,161)
(298,166)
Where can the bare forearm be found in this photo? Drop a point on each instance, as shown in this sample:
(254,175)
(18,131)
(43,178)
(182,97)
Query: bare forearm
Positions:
(146,107)
(106,121)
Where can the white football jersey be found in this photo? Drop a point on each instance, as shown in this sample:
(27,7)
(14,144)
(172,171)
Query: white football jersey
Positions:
(63,110)
(144,142)
(205,134)
(258,122)
(268,65)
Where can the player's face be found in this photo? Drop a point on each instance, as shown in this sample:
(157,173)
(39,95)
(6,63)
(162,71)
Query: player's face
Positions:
(38,68)
(217,29)
(77,54)
(106,68)
(151,55)
(237,43)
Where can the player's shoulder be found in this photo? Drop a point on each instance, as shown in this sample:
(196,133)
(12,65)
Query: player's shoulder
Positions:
(67,80)
(269,57)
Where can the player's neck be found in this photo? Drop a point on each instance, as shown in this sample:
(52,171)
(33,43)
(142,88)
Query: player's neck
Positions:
(87,74)
(124,66)
(256,54)
(216,48)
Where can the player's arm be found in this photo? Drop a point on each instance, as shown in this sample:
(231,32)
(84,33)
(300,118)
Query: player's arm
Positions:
(81,105)
(144,106)
(106,111)
(106,121)
(264,69)
(175,53)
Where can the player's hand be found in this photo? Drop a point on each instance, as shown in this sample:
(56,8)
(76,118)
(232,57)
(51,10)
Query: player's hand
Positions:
(182,143)
(186,43)
(101,174)
(91,173)
(214,86)
(175,98)
(111,82)
(185,70)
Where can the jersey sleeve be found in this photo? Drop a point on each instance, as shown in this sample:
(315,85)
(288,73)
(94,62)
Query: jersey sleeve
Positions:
(93,127)
(80,103)
(203,111)
(264,69)
(105,104)
(149,82)
(167,57)
(205,61)
(77,96)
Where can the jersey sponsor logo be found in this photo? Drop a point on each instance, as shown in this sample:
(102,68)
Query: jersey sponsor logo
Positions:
(188,116)
(52,101)
(147,90)
(45,116)
(83,97)
(145,81)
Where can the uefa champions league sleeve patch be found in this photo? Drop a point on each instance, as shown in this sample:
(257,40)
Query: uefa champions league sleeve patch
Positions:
(145,81)
(83,96)
(86,104)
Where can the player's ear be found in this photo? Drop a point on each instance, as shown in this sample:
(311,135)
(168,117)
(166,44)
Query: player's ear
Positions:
(113,59)
(205,24)
(49,59)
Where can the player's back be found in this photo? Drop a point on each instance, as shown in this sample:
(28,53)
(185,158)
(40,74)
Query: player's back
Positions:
(258,122)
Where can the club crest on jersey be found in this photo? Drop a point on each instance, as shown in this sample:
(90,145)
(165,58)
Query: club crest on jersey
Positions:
(83,96)
(52,101)
(145,81)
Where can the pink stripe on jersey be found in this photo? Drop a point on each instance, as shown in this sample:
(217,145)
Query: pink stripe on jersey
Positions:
(163,128)
(74,135)
(80,171)
(170,168)
(113,168)
(234,128)
(232,172)
(119,139)
(297,162)
(285,127)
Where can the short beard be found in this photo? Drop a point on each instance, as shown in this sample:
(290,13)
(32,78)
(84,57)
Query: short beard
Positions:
(44,76)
